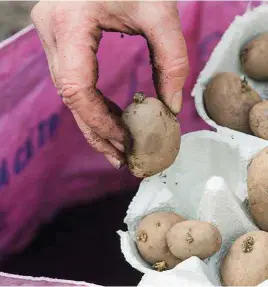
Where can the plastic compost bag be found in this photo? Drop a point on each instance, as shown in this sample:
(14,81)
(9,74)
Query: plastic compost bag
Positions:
(45,163)
(17,280)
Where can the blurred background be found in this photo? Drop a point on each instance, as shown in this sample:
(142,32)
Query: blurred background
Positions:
(14,15)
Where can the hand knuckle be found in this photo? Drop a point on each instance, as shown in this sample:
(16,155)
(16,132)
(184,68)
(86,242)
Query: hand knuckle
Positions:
(36,13)
(71,94)
(59,17)
(163,12)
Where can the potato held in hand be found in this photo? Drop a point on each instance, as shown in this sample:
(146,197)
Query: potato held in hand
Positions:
(228,100)
(151,239)
(156,134)
(254,58)
(258,119)
(194,238)
(258,189)
(246,263)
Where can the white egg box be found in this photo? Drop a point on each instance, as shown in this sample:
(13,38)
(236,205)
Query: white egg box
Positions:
(208,180)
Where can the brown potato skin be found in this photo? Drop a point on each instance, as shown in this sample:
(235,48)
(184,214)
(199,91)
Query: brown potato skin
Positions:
(246,266)
(155,248)
(257,183)
(254,58)
(156,137)
(228,100)
(258,119)
(194,238)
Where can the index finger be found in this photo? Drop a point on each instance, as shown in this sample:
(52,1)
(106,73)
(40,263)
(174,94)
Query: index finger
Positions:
(77,41)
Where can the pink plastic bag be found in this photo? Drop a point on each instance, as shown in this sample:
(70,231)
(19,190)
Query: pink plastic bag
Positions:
(16,280)
(45,163)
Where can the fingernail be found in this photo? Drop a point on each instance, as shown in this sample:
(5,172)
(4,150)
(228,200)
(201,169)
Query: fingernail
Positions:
(176,102)
(114,161)
(118,145)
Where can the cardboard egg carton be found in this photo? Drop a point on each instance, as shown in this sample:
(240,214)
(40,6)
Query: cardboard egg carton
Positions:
(208,180)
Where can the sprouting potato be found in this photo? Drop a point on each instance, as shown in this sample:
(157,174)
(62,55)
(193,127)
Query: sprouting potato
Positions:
(151,239)
(254,57)
(228,100)
(246,263)
(194,238)
(156,136)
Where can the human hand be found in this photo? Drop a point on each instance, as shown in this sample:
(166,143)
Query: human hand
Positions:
(70,33)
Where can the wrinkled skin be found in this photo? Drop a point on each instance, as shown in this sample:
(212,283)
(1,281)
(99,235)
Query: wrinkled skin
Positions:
(70,33)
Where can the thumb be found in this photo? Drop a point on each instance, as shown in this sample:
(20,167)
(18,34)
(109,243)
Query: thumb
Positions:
(169,59)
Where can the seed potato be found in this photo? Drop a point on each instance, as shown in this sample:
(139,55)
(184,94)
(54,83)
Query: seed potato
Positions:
(258,119)
(228,100)
(151,239)
(258,189)
(194,238)
(254,58)
(156,136)
(246,263)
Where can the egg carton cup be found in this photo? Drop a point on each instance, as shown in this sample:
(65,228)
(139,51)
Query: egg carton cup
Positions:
(190,273)
(225,58)
(208,180)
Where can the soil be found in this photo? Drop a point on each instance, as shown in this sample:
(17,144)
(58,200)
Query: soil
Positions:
(80,244)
